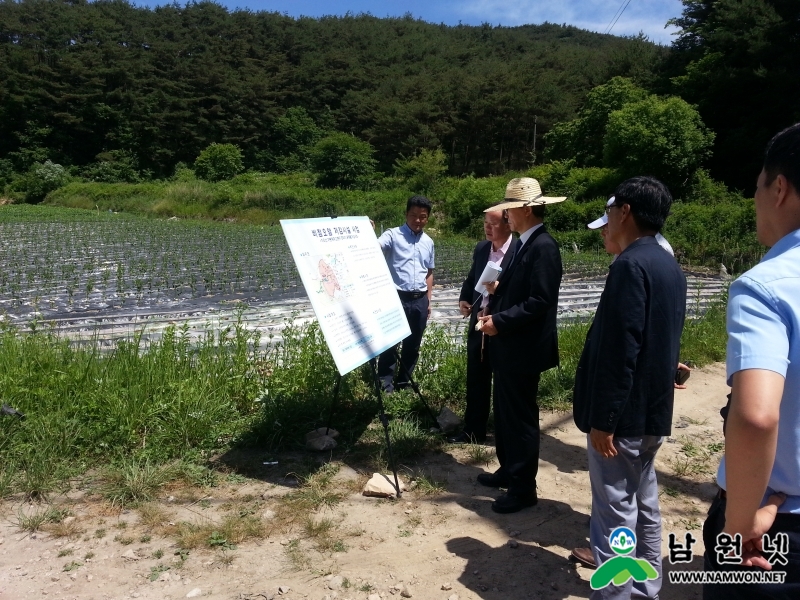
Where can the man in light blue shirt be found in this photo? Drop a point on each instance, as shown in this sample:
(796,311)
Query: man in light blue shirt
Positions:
(760,473)
(409,254)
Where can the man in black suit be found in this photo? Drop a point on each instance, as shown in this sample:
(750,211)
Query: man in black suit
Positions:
(521,326)
(497,248)
(624,386)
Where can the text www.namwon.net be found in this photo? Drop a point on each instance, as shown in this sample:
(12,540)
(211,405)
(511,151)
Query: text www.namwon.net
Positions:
(735,577)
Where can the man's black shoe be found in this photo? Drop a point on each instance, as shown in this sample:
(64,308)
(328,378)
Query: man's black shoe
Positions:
(511,503)
(466,438)
(494,480)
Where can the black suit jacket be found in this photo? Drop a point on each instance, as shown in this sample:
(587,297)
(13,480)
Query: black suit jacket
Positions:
(525,305)
(624,382)
(479,259)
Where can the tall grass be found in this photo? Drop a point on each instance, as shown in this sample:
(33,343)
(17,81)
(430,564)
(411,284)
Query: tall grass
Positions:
(142,406)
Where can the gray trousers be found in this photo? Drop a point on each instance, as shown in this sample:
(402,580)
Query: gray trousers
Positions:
(625,494)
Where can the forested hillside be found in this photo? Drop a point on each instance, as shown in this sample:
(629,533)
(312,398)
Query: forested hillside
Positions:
(157,86)
(739,62)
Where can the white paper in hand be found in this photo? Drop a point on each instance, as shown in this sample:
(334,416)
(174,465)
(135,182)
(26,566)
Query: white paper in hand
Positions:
(490,273)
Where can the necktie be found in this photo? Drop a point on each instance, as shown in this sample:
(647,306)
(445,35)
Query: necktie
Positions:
(517,247)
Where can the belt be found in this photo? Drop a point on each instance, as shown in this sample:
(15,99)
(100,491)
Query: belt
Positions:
(410,295)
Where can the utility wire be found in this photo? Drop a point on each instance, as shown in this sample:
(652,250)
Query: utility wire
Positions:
(617,15)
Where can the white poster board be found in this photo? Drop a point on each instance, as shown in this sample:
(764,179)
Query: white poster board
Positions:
(348,282)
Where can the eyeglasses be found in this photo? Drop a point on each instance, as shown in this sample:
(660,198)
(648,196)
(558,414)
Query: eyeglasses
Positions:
(608,208)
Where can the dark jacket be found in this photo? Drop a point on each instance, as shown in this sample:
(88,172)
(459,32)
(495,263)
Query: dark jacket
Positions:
(624,382)
(525,305)
(479,259)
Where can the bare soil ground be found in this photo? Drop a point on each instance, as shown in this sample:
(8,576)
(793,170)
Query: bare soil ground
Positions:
(440,540)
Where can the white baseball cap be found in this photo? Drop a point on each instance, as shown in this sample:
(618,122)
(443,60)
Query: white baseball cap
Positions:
(598,223)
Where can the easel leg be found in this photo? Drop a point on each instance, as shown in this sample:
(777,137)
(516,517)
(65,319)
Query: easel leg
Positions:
(385,421)
(335,400)
(415,387)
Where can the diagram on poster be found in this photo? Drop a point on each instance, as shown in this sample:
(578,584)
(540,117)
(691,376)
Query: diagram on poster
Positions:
(348,282)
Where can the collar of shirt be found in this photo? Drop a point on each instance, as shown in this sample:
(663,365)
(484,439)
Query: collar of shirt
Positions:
(787,242)
(524,237)
(408,231)
(498,255)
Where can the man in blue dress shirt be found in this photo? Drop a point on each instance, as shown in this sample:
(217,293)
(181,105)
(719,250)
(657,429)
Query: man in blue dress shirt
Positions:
(409,254)
(759,475)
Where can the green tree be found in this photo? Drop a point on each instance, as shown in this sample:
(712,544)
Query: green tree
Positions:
(40,180)
(341,160)
(738,61)
(664,137)
(422,171)
(163,83)
(582,138)
(115,166)
(294,134)
(32,146)
(219,162)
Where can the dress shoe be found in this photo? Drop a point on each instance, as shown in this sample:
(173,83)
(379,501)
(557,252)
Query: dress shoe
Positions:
(584,556)
(495,480)
(466,438)
(511,502)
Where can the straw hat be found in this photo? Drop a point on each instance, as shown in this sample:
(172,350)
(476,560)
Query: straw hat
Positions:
(524,191)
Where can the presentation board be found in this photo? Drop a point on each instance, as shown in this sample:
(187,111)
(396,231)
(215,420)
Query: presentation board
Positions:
(348,282)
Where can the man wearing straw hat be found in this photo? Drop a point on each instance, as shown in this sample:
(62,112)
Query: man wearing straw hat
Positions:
(521,325)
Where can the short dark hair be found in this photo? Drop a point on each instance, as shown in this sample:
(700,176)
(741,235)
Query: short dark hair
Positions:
(502,212)
(421,202)
(649,200)
(782,156)
(537,210)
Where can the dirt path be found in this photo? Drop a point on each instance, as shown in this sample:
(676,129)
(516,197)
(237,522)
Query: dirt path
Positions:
(437,545)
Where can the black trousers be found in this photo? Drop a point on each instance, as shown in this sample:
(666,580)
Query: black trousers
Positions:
(789,590)
(417,314)
(516,425)
(479,385)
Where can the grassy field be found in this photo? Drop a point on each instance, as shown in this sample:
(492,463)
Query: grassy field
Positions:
(709,226)
(165,409)
(96,416)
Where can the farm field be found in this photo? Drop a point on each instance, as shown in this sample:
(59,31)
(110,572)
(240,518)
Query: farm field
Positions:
(104,275)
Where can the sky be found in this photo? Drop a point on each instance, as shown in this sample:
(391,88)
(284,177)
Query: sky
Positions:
(647,16)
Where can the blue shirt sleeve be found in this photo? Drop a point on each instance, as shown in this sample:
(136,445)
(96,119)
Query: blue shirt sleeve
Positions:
(385,240)
(758,336)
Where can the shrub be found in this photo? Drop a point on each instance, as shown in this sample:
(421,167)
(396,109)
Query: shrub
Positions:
(466,199)
(40,180)
(422,171)
(116,166)
(710,234)
(341,160)
(704,190)
(661,137)
(562,178)
(219,162)
(6,172)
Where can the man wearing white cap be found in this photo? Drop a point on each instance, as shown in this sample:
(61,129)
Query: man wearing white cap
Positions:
(623,394)
(584,555)
(610,246)
(521,326)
